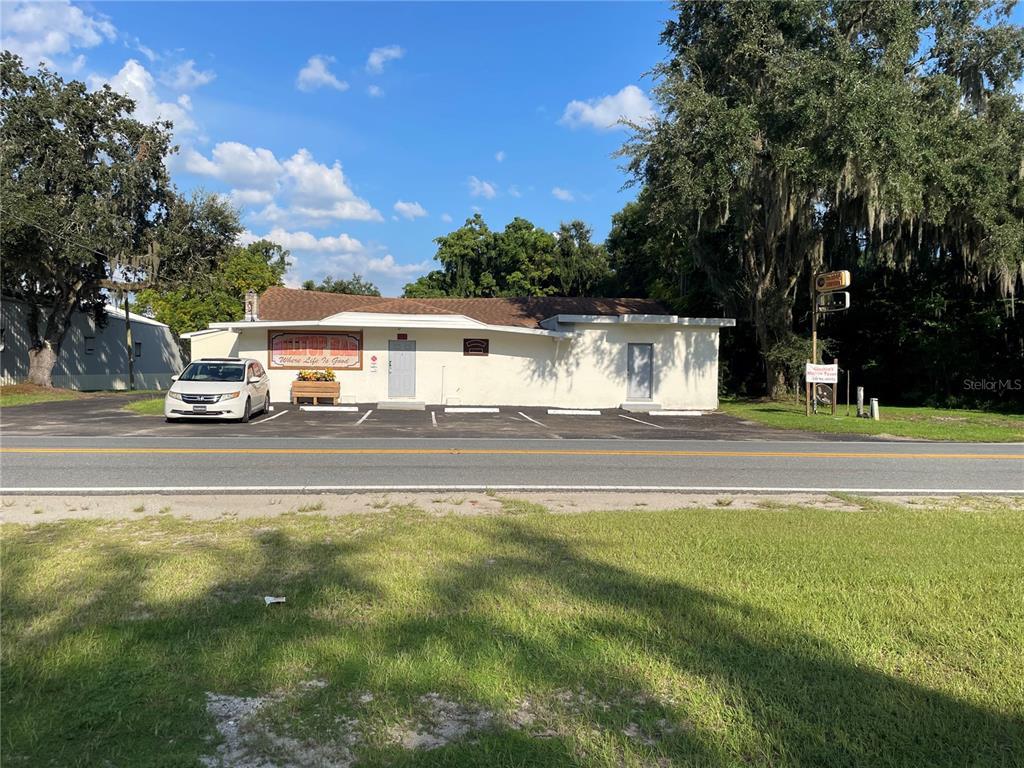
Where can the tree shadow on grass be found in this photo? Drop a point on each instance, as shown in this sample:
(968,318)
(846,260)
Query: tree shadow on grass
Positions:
(130,690)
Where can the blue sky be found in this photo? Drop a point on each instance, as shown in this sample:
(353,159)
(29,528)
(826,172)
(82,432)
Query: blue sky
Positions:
(356,133)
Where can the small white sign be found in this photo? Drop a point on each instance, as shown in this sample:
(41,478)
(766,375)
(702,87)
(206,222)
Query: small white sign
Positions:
(822,374)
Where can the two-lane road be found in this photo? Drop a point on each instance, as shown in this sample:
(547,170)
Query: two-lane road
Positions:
(105,465)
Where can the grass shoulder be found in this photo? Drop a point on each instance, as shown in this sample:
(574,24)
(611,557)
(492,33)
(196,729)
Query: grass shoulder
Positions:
(27,394)
(920,423)
(713,637)
(151,406)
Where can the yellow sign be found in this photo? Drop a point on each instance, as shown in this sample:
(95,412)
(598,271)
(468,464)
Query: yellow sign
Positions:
(832,281)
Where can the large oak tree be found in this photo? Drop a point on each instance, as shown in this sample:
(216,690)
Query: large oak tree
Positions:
(83,185)
(804,134)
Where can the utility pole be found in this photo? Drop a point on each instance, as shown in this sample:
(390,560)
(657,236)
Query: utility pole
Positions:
(148,263)
(128,343)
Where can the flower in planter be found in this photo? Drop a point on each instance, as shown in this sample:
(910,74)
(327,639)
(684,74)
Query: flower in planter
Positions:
(324,375)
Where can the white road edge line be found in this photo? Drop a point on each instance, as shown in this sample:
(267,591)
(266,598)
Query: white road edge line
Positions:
(271,418)
(639,421)
(497,487)
(365,417)
(433,418)
(572,412)
(533,420)
(468,409)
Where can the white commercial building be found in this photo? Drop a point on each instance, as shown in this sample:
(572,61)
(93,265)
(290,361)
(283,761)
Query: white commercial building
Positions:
(552,351)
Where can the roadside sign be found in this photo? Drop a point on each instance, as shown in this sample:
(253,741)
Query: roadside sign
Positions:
(832,281)
(822,374)
(836,301)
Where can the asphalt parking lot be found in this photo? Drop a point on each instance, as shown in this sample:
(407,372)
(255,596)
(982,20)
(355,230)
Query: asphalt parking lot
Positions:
(107,417)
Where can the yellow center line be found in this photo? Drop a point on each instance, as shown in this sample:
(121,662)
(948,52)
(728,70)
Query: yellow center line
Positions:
(516,452)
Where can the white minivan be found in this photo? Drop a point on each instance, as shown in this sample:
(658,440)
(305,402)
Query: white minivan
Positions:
(219,388)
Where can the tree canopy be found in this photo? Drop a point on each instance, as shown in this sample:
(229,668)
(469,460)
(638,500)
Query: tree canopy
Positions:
(357,286)
(205,275)
(798,135)
(521,260)
(84,188)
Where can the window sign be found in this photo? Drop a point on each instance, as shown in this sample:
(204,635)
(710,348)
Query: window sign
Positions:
(301,349)
(476,347)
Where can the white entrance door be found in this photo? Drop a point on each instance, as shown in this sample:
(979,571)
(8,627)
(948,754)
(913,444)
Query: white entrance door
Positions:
(640,365)
(401,369)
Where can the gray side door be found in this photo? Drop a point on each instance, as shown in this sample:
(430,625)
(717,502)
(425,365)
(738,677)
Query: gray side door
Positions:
(640,365)
(401,369)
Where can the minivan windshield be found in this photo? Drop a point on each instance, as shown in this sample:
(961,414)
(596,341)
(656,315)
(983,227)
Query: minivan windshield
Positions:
(213,372)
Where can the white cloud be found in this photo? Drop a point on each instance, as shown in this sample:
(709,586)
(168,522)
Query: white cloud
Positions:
(237,164)
(562,194)
(78,64)
(604,113)
(514,191)
(317,74)
(136,82)
(320,191)
(480,188)
(410,210)
(500,155)
(185,76)
(375,91)
(243,197)
(380,56)
(446,218)
(298,189)
(37,31)
(338,255)
(306,241)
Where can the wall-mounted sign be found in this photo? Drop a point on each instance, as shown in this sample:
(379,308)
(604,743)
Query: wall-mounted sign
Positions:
(822,374)
(832,281)
(476,347)
(304,349)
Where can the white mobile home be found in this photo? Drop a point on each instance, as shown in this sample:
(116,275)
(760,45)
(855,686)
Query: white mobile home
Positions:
(93,357)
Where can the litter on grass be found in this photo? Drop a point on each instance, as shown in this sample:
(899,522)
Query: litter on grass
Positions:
(271,600)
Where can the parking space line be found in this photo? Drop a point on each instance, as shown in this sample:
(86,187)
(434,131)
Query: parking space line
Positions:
(365,417)
(533,420)
(433,418)
(271,418)
(639,421)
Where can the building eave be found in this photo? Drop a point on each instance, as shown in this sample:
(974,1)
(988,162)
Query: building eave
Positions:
(558,321)
(379,320)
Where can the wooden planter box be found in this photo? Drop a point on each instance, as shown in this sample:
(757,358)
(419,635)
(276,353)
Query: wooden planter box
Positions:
(316,390)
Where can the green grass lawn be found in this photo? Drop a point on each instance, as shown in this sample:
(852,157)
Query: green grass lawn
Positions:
(149,407)
(924,423)
(27,394)
(889,636)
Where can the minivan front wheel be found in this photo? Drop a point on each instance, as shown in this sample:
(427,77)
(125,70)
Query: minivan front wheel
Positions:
(266,405)
(248,411)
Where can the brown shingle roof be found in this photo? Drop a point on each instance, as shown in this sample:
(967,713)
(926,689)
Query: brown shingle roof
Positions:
(296,304)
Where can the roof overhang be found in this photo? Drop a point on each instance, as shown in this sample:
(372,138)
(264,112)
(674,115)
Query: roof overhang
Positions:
(556,322)
(381,320)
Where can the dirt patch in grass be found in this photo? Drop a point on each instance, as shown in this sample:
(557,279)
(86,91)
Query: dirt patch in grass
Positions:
(45,509)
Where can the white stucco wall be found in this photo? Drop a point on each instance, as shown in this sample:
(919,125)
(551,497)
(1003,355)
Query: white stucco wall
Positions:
(586,371)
